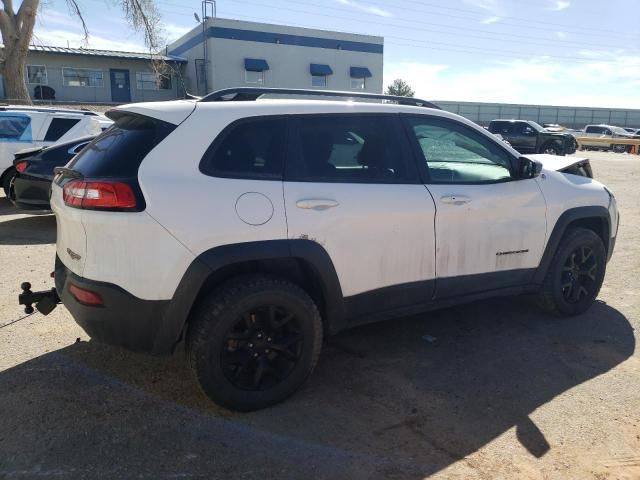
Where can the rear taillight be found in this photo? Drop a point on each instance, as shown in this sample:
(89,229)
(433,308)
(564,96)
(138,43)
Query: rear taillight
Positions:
(99,195)
(85,297)
(22,166)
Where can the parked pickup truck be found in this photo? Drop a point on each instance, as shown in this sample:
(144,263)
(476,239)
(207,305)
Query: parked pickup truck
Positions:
(606,132)
(529,137)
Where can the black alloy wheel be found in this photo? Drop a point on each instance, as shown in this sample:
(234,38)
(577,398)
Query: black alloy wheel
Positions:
(262,348)
(579,274)
(253,341)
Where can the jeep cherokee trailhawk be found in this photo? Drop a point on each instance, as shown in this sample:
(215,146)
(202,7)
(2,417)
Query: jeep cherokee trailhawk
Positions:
(248,228)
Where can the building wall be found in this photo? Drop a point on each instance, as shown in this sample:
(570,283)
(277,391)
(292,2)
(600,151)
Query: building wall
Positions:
(571,117)
(55,62)
(288,60)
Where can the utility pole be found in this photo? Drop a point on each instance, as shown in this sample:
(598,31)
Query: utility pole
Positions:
(208,6)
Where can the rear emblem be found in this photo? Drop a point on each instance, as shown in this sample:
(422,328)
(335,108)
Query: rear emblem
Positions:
(73,255)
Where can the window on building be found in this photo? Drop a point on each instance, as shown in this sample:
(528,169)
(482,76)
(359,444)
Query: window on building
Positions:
(254,77)
(37,74)
(82,77)
(357,83)
(319,73)
(153,81)
(318,80)
(58,127)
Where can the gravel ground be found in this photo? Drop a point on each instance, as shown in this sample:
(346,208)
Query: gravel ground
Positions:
(502,392)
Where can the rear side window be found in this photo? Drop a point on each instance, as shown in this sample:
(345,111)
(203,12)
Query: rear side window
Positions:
(347,148)
(119,151)
(15,127)
(58,127)
(251,148)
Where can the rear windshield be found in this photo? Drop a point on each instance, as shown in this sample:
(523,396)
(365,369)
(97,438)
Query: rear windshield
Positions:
(119,150)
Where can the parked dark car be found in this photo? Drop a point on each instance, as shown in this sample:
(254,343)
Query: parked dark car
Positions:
(529,137)
(30,187)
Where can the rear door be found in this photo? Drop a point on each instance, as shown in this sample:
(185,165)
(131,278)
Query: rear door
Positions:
(490,226)
(350,186)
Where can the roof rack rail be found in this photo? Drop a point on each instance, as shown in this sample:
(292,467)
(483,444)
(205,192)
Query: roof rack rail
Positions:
(251,94)
(46,109)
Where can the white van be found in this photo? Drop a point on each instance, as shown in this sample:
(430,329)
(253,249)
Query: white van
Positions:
(23,127)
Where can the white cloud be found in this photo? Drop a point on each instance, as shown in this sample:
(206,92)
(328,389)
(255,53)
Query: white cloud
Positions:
(561,34)
(540,80)
(366,8)
(64,38)
(561,5)
(491,6)
(173,32)
(490,20)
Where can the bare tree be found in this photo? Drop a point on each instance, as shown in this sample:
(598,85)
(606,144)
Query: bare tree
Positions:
(17,31)
(400,88)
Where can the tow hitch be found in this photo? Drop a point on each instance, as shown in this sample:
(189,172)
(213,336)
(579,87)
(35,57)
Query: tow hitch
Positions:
(45,301)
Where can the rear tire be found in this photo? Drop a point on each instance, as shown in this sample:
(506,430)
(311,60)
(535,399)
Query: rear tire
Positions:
(6,181)
(254,342)
(575,275)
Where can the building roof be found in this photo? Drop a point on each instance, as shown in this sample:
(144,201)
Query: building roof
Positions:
(105,53)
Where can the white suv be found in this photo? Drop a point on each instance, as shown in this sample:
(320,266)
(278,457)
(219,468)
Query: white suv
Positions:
(250,229)
(23,127)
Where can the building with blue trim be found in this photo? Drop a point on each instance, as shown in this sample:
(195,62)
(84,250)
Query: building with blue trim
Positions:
(224,53)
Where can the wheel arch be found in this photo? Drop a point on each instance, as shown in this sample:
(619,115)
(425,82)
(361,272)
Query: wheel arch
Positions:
(302,262)
(595,218)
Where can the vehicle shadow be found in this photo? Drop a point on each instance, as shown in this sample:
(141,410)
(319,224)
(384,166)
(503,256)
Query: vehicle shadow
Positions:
(32,230)
(400,399)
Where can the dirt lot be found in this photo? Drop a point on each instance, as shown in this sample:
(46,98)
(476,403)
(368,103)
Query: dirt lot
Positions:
(502,392)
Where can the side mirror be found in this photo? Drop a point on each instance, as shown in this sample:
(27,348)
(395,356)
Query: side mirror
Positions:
(528,168)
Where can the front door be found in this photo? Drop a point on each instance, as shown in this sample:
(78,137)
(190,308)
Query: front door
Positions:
(490,225)
(523,137)
(120,86)
(350,187)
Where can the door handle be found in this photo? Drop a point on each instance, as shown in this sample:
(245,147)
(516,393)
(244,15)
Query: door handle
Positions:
(316,204)
(455,199)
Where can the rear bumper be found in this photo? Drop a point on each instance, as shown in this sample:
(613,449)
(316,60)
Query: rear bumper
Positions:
(31,193)
(124,320)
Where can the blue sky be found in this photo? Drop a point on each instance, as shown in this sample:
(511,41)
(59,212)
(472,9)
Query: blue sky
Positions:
(559,52)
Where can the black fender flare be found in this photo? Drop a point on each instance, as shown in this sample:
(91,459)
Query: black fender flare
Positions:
(209,261)
(560,228)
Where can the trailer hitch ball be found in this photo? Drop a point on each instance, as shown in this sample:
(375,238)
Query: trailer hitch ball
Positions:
(26,290)
(45,301)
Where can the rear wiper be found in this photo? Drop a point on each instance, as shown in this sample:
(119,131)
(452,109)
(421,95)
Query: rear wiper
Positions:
(67,172)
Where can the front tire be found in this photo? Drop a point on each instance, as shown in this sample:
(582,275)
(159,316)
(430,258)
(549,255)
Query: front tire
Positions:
(575,275)
(551,149)
(254,342)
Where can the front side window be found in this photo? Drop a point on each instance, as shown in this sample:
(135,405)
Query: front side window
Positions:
(254,77)
(153,81)
(358,83)
(318,80)
(351,149)
(455,153)
(248,149)
(37,74)
(82,77)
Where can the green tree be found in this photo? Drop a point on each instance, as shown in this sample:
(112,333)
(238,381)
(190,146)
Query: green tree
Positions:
(400,88)
(16,28)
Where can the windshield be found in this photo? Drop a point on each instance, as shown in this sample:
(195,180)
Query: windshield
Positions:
(536,126)
(619,131)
